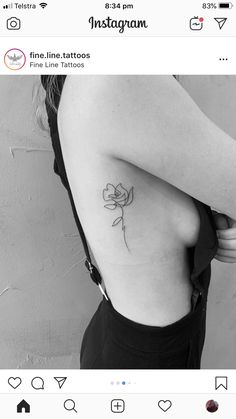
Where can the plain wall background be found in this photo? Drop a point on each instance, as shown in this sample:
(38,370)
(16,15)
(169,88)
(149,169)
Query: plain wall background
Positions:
(46,296)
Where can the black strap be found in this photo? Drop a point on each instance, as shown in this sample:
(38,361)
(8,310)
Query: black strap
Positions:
(59,169)
(94,273)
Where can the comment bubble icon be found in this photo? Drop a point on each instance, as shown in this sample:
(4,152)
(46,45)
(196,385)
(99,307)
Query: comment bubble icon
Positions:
(37,383)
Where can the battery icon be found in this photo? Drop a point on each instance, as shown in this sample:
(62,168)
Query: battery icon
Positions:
(225,5)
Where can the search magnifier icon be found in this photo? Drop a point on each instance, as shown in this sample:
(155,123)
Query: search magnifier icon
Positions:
(69,405)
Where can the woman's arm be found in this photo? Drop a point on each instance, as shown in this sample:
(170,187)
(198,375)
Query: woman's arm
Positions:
(151,122)
(226,232)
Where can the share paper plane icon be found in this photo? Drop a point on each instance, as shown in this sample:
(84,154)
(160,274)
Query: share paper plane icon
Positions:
(60,381)
(221,21)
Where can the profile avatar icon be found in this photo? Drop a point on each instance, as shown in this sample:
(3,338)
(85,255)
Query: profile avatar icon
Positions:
(212,406)
(14,59)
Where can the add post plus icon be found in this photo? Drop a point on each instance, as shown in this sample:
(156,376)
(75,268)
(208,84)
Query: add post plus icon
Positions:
(117,406)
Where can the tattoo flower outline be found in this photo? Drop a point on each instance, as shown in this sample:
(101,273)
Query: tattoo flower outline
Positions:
(118,197)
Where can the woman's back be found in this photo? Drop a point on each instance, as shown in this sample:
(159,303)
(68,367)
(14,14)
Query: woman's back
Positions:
(144,164)
(160,223)
(141,228)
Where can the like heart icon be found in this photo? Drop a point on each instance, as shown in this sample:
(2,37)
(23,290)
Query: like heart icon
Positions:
(164,405)
(14,382)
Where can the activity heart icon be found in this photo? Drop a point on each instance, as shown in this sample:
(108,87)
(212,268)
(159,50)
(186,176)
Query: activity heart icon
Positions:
(164,405)
(14,382)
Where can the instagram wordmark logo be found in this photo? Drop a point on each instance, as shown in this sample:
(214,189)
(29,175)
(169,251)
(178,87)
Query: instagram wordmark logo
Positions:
(14,59)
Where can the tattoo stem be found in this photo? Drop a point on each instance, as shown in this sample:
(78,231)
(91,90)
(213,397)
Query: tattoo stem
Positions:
(123,226)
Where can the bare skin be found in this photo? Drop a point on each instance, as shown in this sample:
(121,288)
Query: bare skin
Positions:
(121,131)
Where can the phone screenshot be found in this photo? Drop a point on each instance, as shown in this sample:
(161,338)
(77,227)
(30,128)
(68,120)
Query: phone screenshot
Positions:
(117,209)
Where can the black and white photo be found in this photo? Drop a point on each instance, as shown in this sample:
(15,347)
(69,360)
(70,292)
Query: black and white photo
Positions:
(118,221)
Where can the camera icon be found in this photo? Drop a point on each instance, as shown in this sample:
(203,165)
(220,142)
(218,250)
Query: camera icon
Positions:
(13,24)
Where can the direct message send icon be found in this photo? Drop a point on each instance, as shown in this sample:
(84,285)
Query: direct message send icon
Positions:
(60,381)
(221,21)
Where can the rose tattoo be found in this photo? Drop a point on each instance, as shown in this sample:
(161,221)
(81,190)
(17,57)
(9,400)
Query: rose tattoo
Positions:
(118,198)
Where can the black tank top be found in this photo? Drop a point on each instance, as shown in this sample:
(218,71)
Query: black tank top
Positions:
(207,243)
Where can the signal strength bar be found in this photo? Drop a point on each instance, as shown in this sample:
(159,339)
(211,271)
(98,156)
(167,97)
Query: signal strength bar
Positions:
(43,5)
(8,6)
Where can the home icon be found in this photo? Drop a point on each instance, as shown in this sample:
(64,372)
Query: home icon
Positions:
(23,406)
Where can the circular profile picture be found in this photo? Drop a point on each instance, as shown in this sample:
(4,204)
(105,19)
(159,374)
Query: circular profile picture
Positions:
(212,406)
(14,59)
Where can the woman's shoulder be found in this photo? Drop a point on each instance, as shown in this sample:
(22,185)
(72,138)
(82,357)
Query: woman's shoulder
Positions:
(151,122)
(117,87)
(112,97)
